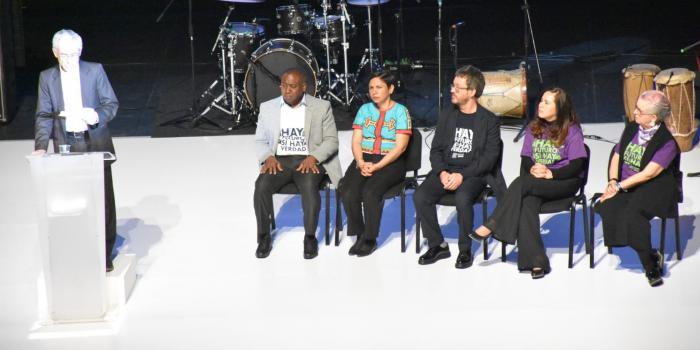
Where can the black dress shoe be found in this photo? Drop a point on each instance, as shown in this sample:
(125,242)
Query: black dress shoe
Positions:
(464,260)
(367,247)
(109,266)
(538,273)
(264,246)
(473,235)
(654,277)
(434,254)
(355,246)
(310,247)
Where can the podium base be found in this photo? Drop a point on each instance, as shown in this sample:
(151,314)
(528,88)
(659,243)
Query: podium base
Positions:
(120,283)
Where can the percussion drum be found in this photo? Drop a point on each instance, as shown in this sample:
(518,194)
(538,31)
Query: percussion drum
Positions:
(335,29)
(677,85)
(294,19)
(637,79)
(505,93)
(270,60)
(242,37)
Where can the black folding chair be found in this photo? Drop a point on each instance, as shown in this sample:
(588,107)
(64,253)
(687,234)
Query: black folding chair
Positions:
(449,200)
(672,212)
(291,188)
(569,204)
(413,163)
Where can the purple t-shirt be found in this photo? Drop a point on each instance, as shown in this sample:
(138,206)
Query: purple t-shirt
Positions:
(632,159)
(544,152)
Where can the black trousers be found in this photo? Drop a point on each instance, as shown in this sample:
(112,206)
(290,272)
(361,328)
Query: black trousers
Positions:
(82,144)
(428,195)
(358,191)
(267,184)
(626,222)
(516,217)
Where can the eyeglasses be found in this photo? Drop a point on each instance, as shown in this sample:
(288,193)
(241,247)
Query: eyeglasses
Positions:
(452,86)
(66,56)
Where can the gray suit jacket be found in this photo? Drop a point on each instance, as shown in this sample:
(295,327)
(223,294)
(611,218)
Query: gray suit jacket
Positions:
(96,92)
(319,131)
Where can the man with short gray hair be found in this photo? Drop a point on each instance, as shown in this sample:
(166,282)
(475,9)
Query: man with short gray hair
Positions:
(75,102)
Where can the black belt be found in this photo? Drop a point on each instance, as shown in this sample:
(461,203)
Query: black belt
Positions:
(77,135)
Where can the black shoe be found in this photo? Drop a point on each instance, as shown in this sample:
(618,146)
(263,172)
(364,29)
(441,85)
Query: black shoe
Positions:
(464,260)
(367,247)
(434,254)
(109,266)
(473,235)
(355,246)
(654,277)
(537,273)
(310,247)
(264,246)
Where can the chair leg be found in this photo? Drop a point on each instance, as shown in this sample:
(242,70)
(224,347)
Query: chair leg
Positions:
(572,227)
(403,221)
(591,233)
(503,252)
(679,253)
(338,218)
(485,244)
(328,216)
(418,242)
(662,244)
(273,224)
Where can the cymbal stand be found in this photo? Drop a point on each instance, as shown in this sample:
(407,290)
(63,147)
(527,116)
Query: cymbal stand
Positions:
(345,17)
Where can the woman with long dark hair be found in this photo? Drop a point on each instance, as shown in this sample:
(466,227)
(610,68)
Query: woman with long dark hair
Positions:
(551,167)
(381,131)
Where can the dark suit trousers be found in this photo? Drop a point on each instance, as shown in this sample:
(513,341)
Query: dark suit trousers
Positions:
(358,191)
(82,144)
(267,184)
(428,195)
(516,217)
(626,222)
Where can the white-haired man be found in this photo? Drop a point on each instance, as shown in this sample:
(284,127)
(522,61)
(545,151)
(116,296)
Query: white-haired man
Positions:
(75,102)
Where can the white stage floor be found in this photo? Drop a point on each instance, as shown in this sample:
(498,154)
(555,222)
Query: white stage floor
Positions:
(184,207)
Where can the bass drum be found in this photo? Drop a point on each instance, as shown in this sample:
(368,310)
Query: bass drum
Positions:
(269,61)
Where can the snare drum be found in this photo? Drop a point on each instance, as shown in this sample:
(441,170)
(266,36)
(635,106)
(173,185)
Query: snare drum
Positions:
(242,38)
(505,93)
(637,79)
(294,19)
(270,60)
(677,85)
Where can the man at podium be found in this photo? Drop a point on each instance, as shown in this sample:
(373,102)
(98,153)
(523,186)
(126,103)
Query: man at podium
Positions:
(75,103)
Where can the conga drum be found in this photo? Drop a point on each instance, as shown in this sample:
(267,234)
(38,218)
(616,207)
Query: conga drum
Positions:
(677,85)
(505,93)
(637,79)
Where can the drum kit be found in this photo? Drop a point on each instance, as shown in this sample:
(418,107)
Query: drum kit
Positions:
(310,40)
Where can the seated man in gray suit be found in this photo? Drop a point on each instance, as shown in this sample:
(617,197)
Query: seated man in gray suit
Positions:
(295,141)
(75,102)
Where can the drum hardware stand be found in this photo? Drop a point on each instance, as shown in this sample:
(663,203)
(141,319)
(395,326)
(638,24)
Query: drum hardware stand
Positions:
(327,43)
(344,17)
(528,34)
(192,117)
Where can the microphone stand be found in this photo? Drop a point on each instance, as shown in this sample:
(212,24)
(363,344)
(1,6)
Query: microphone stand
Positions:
(528,35)
(193,117)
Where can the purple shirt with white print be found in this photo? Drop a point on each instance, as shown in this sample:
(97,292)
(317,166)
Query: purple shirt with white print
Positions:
(631,160)
(544,152)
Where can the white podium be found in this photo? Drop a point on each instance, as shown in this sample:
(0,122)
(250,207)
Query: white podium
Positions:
(69,193)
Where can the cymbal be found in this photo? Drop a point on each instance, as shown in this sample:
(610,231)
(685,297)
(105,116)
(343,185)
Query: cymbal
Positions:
(367,2)
(245,1)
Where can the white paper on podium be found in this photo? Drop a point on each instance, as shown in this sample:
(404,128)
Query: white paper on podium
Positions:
(69,192)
